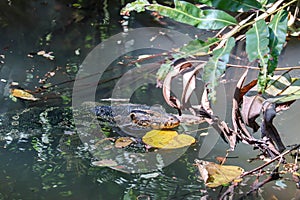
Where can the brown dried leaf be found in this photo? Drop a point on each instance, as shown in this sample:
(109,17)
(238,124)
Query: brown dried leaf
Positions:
(171,100)
(123,142)
(267,127)
(189,83)
(251,109)
(237,121)
(189,86)
(247,87)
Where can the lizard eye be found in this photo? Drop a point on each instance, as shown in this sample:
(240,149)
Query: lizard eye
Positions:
(132,116)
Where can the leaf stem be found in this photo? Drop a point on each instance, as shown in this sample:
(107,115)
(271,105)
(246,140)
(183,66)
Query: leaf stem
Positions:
(271,161)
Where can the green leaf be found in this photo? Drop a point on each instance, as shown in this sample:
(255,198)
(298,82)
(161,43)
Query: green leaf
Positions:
(188,13)
(257,41)
(278,29)
(198,47)
(216,66)
(138,6)
(164,70)
(233,5)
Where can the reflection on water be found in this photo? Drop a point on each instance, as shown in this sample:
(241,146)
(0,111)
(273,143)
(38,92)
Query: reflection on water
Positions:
(41,155)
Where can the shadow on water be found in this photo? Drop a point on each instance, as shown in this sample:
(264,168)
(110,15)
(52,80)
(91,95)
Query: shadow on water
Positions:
(41,155)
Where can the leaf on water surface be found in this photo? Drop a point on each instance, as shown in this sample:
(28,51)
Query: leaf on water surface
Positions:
(167,139)
(23,94)
(105,163)
(123,142)
(215,175)
(233,6)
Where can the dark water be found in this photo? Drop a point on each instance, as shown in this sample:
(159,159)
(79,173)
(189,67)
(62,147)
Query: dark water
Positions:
(46,159)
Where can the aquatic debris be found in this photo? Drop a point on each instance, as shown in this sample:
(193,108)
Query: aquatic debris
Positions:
(23,94)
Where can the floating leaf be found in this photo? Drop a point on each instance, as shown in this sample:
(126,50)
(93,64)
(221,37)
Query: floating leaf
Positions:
(23,94)
(123,142)
(216,66)
(179,141)
(257,41)
(234,6)
(167,139)
(105,163)
(215,175)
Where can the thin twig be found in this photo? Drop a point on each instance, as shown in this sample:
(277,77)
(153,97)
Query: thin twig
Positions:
(271,161)
(257,68)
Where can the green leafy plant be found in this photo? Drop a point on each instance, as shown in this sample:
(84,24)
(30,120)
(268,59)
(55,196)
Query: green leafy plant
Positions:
(264,24)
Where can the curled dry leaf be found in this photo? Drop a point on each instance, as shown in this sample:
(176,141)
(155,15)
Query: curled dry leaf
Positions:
(237,122)
(267,127)
(189,83)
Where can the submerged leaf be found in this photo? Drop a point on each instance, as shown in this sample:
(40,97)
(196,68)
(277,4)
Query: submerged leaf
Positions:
(215,175)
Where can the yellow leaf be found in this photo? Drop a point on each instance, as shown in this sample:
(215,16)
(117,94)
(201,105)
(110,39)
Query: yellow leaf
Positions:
(123,142)
(179,141)
(215,175)
(167,139)
(22,94)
